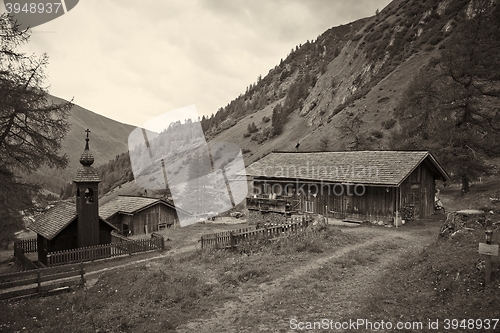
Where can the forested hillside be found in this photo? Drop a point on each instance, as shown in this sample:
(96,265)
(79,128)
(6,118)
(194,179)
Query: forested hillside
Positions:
(397,80)
(360,90)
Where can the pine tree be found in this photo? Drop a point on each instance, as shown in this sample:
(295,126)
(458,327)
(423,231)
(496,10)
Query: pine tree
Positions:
(276,119)
(31,128)
(449,108)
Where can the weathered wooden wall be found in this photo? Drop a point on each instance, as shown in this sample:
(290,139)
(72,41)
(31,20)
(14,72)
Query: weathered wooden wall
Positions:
(419,190)
(150,217)
(341,200)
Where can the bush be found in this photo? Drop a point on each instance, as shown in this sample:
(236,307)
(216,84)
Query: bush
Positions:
(252,128)
(265,119)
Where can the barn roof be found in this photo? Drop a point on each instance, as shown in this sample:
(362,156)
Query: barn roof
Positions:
(56,219)
(377,168)
(128,205)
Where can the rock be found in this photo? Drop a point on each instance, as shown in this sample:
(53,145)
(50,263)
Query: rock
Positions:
(318,222)
(468,212)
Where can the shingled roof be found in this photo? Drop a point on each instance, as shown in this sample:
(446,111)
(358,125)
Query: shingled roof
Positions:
(87,174)
(128,205)
(56,219)
(378,168)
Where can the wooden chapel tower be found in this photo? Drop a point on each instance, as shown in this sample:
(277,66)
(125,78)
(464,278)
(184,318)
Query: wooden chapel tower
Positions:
(87,199)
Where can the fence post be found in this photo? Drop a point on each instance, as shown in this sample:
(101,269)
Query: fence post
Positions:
(38,280)
(82,273)
(232,240)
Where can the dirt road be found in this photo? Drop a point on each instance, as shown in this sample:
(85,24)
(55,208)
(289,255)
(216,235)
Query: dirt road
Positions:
(271,306)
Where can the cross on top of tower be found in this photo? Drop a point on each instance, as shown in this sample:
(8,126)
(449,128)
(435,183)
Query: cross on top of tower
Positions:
(87,139)
(87,159)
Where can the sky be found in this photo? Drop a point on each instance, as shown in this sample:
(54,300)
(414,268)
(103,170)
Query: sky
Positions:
(132,61)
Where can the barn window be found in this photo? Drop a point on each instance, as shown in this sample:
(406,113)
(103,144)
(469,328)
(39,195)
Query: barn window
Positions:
(309,206)
(89,195)
(45,245)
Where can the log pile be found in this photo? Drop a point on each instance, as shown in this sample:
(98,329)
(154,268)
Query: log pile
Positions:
(461,221)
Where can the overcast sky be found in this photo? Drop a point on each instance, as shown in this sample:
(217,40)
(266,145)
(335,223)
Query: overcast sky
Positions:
(135,60)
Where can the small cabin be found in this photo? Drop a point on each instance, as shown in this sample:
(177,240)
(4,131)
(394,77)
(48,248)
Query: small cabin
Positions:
(135,215)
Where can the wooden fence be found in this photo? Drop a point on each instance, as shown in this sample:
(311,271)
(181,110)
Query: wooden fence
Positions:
(156,242)
(52,278)
(230,239)
(29,245)
(89,253)
(119,246)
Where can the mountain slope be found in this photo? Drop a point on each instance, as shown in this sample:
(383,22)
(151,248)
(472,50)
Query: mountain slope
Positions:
(343,91)
(356,88)
(108,138)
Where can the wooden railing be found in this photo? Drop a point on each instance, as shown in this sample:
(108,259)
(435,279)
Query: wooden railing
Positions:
(263,203)
(231,239)
(89,253)
(29,245)
(22,260)
(156,242)
(220,239)
(119,246)
(11,285)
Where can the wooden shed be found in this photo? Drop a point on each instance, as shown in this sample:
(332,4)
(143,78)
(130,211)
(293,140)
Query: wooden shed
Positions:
(363,185)
(135,215)
(57,230)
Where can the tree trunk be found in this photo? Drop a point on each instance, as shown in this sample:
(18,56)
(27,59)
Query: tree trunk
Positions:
(465,185)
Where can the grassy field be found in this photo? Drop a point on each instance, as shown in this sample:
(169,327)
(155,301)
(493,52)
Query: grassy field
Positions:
(161,294)
(406,274)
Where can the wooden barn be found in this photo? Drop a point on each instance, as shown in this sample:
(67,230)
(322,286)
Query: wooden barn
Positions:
(360,185)
(134,215)
(66,226)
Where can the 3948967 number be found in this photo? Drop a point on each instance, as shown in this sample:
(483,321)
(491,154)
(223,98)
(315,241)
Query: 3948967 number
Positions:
(33,8)
(471,324)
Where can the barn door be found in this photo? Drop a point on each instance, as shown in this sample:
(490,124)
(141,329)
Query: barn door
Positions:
(346,205)
(414,200)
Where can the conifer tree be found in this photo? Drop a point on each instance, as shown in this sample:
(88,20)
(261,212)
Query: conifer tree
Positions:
(31,128)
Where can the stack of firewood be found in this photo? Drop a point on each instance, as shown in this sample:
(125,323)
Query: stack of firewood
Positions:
(461,221)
